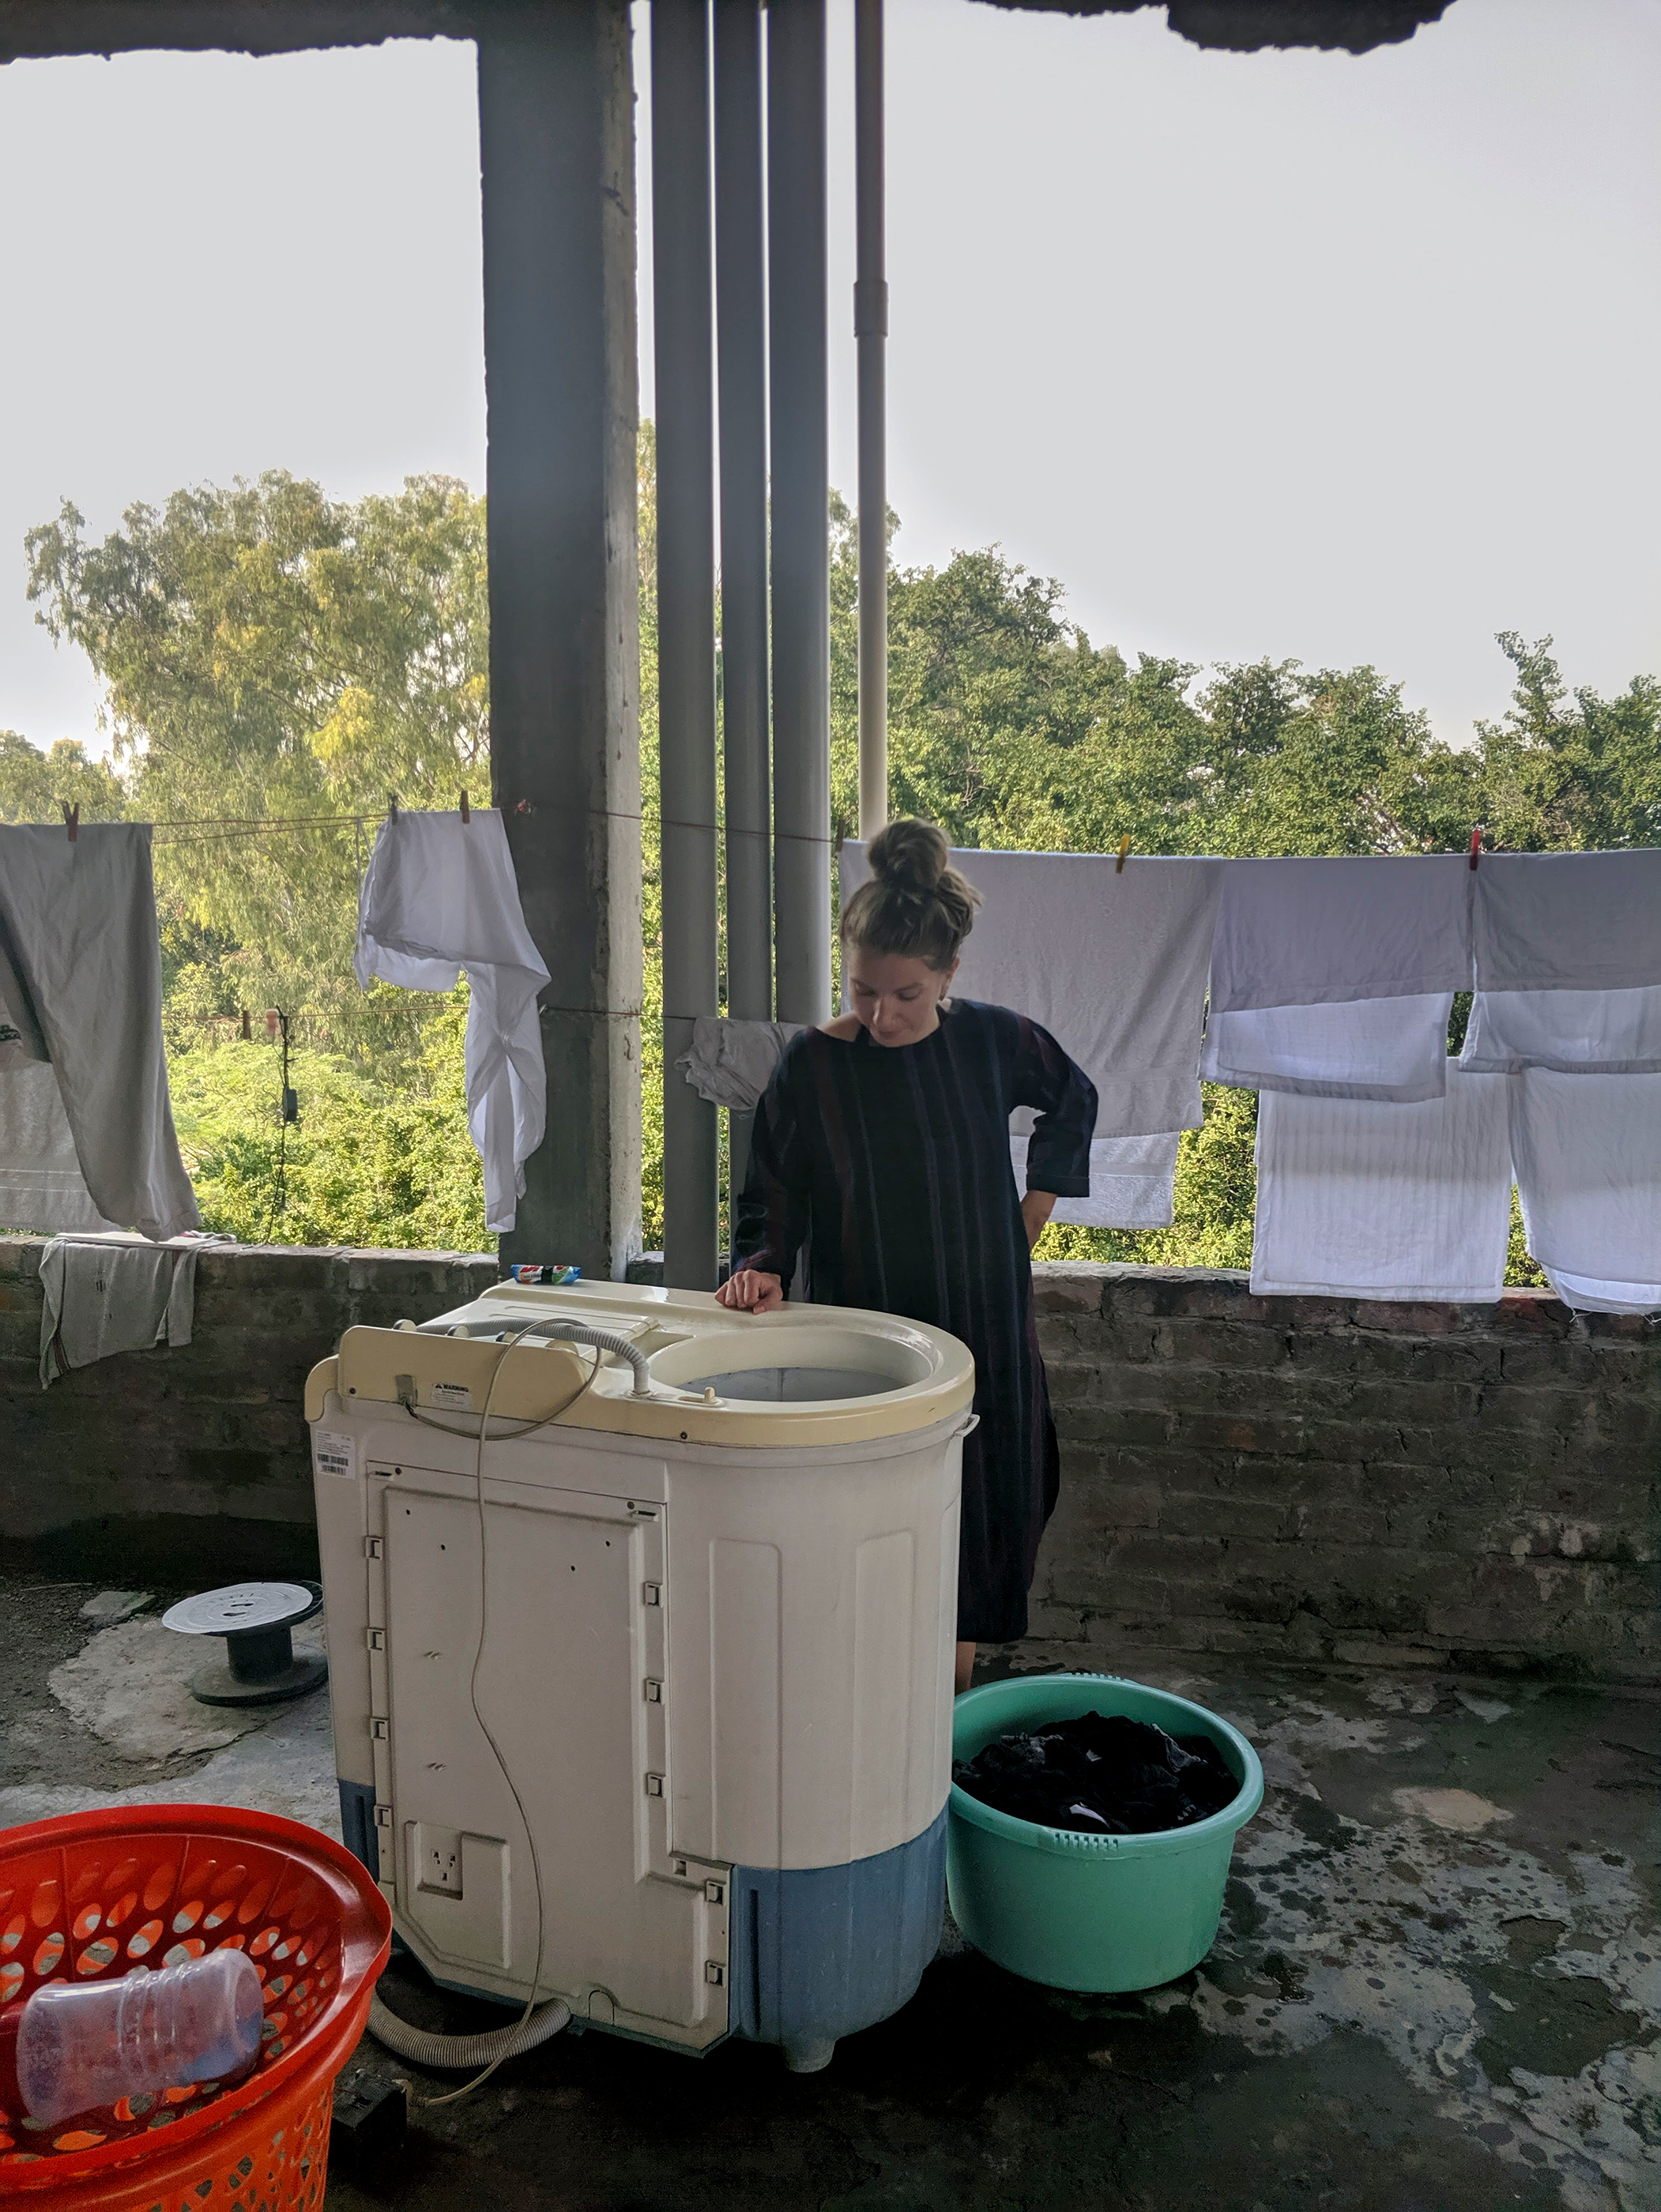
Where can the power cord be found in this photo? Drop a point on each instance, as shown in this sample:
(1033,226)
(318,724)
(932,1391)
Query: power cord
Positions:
(513,2038)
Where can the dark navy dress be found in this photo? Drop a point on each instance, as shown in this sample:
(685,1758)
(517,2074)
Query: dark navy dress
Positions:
(891,1163)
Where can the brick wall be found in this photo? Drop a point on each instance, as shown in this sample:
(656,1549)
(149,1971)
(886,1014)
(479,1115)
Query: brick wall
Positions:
(1320,1479)
(1303,1478)
(195,1463)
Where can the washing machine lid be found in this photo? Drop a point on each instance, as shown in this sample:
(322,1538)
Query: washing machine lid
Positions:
(801,1374)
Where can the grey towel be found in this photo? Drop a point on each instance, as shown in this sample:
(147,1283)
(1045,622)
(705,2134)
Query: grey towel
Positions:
(78,920)
(730,1063)
(112,1294)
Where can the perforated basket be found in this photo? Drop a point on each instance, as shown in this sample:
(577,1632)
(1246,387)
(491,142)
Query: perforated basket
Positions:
(91,1896)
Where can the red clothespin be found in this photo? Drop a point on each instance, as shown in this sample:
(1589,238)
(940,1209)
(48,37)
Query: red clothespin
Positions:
(524,806)
(466,810)
(1124,854)
(71,817)
(1475,846)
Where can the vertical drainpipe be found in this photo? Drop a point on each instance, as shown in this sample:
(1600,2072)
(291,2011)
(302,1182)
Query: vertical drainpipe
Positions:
(741,346)
(686,617)
(870,336)
(801,488)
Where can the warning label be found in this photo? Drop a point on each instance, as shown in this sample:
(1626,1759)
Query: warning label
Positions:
(453,1393)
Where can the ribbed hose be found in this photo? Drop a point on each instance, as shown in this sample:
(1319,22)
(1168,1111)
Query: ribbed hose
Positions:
(603,1339)
(461,2051)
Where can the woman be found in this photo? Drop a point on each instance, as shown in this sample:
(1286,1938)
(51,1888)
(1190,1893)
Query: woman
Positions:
(883,1143)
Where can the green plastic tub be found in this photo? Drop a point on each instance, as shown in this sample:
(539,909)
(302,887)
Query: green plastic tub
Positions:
(1089,1912)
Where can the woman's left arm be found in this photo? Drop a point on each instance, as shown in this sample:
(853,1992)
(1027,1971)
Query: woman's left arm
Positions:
(1058,1152)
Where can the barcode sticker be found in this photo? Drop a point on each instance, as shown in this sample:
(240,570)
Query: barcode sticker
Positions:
(335,1454)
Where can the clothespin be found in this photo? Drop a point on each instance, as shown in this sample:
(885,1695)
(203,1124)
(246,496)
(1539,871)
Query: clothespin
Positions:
(1475,846)
(247,1028)
(392,807)
(71,817)
(466,810)
(524,806)
(1124,854)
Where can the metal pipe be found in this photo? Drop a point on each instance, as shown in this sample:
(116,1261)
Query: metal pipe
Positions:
(686,617)
(801,490)
(870,336)
(741,352)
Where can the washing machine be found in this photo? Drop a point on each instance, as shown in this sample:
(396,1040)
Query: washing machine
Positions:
(644,1700)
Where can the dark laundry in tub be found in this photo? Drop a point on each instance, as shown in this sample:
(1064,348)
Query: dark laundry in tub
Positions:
(1101,1775)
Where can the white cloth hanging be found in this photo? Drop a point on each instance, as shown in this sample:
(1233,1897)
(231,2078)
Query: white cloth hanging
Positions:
(103,1294)
(1577,1032)
(1112,964)
(440,899)
(1380,1049)
(731,1062)
(1358,1198)
(81,982)
(1569,922)
(1586,1152)
(1306,932)
(1132,1179)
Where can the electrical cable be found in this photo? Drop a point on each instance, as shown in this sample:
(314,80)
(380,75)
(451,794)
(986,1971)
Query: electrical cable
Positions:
(502,2043)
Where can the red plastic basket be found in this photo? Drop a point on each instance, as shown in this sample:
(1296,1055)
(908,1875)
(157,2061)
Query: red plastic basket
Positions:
(89,1897)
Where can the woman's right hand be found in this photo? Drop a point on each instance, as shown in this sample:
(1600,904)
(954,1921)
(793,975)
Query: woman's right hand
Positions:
(752,1292)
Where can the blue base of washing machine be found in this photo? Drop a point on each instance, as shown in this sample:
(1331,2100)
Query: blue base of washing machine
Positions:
(814,1953)
(819,1953)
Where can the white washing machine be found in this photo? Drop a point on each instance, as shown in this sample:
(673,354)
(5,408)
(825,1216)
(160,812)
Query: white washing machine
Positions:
(709,1625)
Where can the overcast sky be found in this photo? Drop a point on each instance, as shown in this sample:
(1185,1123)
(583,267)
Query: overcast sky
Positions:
(1301,354)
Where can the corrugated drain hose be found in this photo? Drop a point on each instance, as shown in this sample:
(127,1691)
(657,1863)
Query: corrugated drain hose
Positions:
(422,2049)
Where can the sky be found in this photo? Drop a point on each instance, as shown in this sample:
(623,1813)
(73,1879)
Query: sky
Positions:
(1321,357)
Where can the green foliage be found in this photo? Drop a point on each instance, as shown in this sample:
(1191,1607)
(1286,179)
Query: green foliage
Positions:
(266,651)
(366,1165)
(34,785)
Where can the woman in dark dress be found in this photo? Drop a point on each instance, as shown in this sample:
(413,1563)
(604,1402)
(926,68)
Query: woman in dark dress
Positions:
(883,1145)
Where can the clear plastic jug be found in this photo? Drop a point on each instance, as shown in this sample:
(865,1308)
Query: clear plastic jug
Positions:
(79,2048)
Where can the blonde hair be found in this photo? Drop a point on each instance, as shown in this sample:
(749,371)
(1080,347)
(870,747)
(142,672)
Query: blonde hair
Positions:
(915,904)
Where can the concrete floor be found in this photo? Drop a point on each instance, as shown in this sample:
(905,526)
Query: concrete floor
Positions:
(1437,1987)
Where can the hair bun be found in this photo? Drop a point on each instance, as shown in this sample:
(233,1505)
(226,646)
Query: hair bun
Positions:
(909,855)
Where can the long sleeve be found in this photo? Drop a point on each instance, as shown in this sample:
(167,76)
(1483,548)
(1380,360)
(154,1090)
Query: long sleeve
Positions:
(773,1210)
(1058,1154)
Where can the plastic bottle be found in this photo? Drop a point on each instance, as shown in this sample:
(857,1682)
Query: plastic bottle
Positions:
(79,2047)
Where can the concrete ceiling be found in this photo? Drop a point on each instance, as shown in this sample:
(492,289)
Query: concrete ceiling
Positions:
(41,27)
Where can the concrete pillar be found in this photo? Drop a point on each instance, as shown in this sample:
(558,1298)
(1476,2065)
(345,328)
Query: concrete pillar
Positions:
(556,148)
(870,336)
(686,618)
(741,347)
(801,552)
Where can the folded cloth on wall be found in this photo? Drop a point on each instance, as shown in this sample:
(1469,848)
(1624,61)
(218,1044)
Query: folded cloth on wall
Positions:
(1569,922)
(441,899)
(1383,1048)
(1131,1180)
(1577,1032)
(115,1293)
(1306,932)
(1586,1152)
(78,917)
(1360,1199)
(41,1185)
(1113,965)
(730,1062)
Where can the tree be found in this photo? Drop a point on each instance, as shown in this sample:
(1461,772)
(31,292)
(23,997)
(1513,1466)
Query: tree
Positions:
(267,652)
(1562,774)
